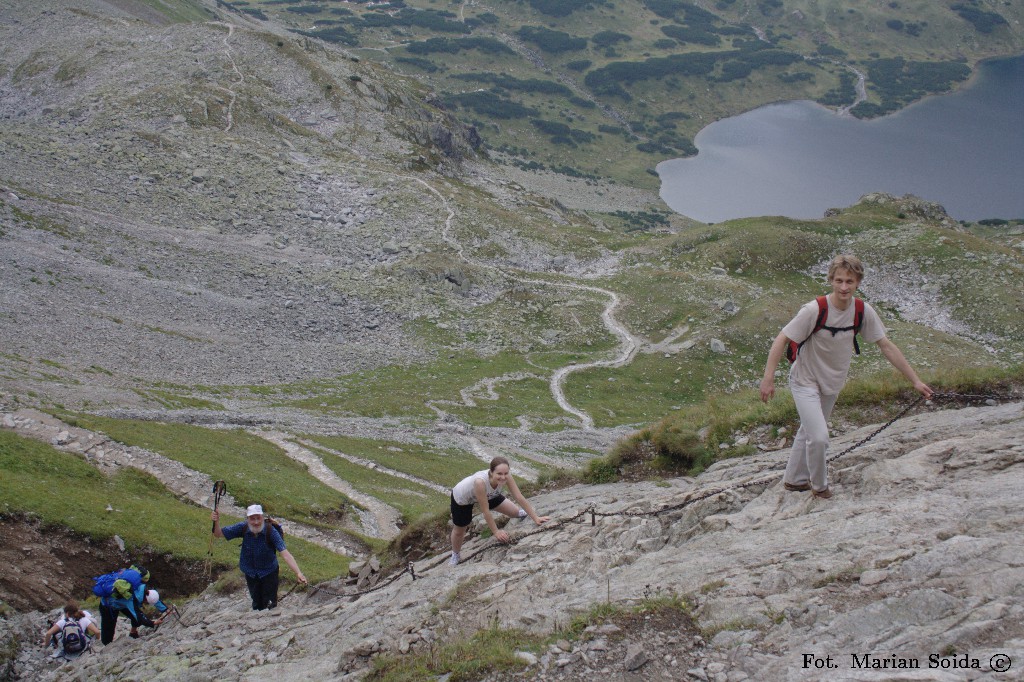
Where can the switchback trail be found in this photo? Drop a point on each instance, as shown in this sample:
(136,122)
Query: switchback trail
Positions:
(629,344)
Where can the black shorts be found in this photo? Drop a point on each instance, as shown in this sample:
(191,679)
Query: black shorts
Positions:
(462,514)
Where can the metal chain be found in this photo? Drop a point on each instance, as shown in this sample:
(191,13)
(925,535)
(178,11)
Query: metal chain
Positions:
(592,511)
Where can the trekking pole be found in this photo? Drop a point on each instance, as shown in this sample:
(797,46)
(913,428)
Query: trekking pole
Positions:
(219,488)
(172,610)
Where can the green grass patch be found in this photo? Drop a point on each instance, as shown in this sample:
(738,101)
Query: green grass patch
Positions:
(254,470)
(406,391)
(488,651)
(412,500)
(444,467)
(672,445)
(63,489)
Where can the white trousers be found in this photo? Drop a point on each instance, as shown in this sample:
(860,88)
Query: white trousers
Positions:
(807,459)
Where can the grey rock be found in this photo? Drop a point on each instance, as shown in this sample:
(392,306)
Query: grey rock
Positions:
(635,658)
(526,657)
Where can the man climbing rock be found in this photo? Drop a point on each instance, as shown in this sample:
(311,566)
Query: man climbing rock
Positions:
(257,559)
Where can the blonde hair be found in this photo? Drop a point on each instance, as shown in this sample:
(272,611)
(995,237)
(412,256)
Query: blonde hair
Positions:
(846,261)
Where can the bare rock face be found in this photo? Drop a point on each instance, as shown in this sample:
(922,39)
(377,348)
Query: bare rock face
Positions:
(915,559)
(913,206)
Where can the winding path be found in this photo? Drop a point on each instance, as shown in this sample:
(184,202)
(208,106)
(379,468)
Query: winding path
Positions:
(629,344)
(380,520)
(241,77)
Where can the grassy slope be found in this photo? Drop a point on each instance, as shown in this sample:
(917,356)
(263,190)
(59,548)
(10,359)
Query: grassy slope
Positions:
(412,500)
(254,470)
(667,285)
(63,489)
(416,460)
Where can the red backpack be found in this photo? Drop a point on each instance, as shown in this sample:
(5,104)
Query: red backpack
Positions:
(858,317)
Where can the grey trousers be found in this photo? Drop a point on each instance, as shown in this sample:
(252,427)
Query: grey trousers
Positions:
(807,459)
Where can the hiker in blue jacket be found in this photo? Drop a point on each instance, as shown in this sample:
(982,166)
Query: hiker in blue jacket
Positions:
(826,331)
(257,558)
(126,597)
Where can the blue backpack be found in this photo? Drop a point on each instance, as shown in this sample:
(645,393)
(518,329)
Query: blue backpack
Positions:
(123,581)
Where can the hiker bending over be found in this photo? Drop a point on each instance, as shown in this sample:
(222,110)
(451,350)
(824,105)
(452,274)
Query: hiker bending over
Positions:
(72,633)
(824,347)
(258,557)
(484,488)
(123,593)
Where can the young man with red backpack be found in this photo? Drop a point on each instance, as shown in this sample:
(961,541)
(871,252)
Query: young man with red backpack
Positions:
(820,342)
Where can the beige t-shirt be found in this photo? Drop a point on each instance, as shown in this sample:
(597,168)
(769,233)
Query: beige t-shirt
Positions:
(824,361)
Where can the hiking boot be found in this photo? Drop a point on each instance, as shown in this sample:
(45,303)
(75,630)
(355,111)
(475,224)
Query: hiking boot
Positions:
(454,561)
(796,487)
(522,513)
(823,494)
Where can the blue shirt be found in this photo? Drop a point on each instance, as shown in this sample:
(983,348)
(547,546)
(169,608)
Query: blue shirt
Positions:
(256,559)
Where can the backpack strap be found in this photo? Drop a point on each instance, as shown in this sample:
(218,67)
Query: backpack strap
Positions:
(858,319)
(819,324)
(822,315)
(794,348)
(269,523)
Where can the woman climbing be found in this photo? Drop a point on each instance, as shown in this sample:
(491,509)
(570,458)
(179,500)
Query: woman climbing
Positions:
(484,488)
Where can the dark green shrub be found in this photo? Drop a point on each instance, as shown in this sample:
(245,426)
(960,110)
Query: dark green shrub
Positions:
(419,63)
(558,8)
(609,38)
(456,45)
(680,449)
(685,34)
(553,42)
(603,470)
(984,22)
(488,104)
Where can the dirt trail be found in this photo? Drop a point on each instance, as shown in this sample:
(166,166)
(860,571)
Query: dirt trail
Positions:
(380,520)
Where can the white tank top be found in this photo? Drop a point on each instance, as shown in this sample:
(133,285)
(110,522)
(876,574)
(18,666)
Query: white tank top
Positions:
(463,490)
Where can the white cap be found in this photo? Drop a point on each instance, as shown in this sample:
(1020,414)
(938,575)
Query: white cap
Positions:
(152,596)
(253,510)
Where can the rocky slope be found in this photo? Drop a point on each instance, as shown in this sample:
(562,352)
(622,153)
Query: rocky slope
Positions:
(186,234)
(918,554)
